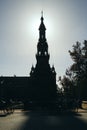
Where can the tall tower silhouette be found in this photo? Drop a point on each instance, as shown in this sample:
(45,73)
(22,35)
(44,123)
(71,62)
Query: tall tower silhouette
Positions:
(43,77)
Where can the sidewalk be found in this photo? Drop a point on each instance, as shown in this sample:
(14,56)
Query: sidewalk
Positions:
(82,110)
(20,110)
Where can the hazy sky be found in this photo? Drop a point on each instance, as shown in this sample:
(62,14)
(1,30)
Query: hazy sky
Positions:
(66,23)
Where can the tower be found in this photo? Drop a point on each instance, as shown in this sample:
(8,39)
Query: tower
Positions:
(43,77)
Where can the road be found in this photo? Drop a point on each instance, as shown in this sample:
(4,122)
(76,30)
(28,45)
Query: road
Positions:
(43,121)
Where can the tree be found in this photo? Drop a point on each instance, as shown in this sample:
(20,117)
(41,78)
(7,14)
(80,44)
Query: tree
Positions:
(75,79)
(84,71)
(67,86)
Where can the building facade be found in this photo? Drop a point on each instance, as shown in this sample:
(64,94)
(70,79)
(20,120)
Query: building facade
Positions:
(41,86)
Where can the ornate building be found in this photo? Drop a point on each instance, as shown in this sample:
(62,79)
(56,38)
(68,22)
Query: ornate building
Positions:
(43,77)
(40,87)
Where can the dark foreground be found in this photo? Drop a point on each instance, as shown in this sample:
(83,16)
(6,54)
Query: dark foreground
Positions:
(41,120)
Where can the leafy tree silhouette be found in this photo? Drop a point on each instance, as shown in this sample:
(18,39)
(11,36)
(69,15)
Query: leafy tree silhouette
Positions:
(75,80)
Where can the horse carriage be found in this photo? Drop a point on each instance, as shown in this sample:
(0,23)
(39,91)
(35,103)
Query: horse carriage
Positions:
(6,106)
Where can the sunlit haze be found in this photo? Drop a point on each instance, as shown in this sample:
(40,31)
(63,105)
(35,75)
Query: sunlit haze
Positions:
(65,21)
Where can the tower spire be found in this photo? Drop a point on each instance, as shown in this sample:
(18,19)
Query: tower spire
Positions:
(42,28)
(42,16)
(42,46)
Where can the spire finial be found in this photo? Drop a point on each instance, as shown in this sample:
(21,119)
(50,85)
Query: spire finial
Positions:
(42,16)
(42,13)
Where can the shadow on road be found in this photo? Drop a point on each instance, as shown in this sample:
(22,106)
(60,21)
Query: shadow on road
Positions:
(53,121)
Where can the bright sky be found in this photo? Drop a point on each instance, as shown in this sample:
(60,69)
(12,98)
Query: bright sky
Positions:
(66,23)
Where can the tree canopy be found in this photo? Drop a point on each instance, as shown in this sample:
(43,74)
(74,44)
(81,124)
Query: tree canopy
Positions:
(75,79)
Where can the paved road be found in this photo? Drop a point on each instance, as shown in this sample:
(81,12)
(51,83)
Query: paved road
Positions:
(43,121)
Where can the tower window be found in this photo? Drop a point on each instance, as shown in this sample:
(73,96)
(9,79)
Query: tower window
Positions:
(45,53)
(39,53)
